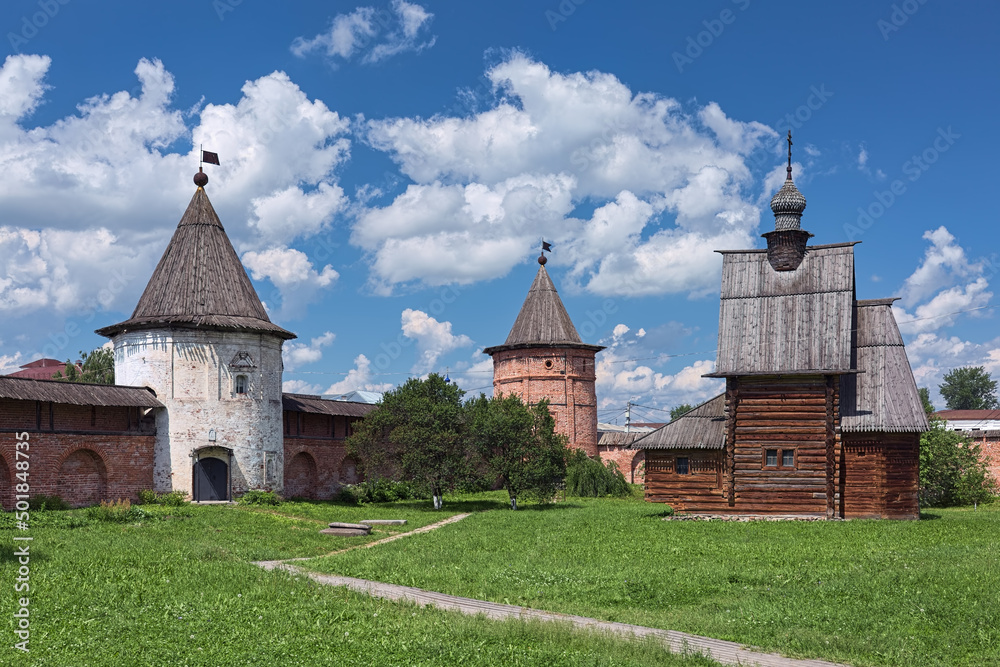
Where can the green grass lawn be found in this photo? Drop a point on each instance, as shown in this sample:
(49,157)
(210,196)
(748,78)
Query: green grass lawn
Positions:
(182,591)
(866,592)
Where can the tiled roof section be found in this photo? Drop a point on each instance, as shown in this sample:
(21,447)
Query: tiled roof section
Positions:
(968,415)
(704,427)
(72,393)
(882,396)
(199,281)
(786,321)
(543,320)
(324,406)
(619,438)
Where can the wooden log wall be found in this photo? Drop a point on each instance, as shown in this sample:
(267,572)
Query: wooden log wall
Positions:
(881,475)
(794,414)
(700,490)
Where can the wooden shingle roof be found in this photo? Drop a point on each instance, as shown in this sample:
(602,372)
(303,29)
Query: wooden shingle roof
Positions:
(786,321)
(883,395)
(324,406)
(543,320)
(72,393)
(703,427)
(199,282)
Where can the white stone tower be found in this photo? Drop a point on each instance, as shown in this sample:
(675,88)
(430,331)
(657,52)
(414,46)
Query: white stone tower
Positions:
(201,339)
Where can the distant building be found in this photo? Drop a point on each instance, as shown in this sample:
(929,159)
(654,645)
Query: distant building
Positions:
(983,426)
(357,396)
(614,443)
(42,369)
(820,416)
(544,358)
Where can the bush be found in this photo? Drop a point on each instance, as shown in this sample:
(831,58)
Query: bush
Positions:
(147,497)
(258,497)
(172,499)
(116,511)
(952,469)
(380,491)
(589,478)
(43,502)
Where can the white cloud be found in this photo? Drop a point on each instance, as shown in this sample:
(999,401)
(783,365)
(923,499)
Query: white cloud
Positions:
(663,188)
(946,285)
(944,262)
(433,338)
(106,191)
(992,362)
(300,387)
(10,363)
(292,272)
(21,80)
(282,216)
(358,378)
(68,271)
(376,33)
(296,354)
(945,308)
(475,378)
(627,370)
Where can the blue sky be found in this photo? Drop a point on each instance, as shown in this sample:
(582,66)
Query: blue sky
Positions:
(388,170)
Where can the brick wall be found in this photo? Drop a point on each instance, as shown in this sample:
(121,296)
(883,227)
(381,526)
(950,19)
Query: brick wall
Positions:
(565,376)
(315,466)
(990,442)
(83,460)
(629,461)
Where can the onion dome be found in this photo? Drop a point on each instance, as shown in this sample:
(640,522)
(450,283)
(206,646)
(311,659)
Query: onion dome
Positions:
(788,203)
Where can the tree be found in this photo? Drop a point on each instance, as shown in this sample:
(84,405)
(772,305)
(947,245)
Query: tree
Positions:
(518,445)
(98,367)
(969,388)
(925,398)
(952,469)
(680,410)
(415,434)
(589,478)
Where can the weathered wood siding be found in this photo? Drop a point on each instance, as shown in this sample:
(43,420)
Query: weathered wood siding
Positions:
(797,414)
(880,475)
(700,490)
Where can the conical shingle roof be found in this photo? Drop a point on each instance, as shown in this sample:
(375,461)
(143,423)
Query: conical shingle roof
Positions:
(199,282)
(543,320)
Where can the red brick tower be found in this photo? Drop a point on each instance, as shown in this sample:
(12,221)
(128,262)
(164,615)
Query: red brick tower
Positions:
(543,357)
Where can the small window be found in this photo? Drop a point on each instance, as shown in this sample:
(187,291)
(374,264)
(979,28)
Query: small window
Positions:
(548,363)
(788,458)
(771,457)
(682,466)
(241,384)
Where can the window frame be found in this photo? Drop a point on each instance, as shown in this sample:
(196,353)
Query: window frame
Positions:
(779,461)
(245,385)
(687,465)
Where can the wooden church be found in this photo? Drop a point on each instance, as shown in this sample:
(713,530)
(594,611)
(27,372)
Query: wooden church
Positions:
(821,415)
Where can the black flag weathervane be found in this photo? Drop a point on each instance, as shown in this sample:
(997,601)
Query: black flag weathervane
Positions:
(209,157)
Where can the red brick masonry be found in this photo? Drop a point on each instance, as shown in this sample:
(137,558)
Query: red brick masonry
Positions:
(84,454)
(565,376)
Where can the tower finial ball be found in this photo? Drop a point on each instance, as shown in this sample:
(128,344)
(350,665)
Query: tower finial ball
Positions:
(542,259)
(201,179)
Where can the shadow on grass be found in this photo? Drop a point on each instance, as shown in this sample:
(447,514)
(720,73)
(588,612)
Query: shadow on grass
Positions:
(929,516)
